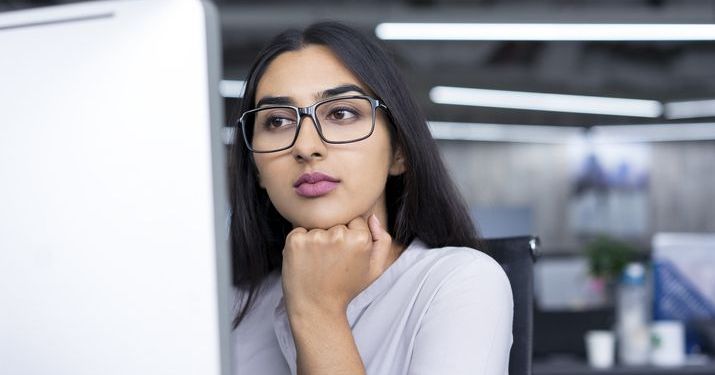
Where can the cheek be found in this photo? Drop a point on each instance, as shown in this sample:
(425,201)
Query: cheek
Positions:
(368,167)
(380,155)
(270,171)
(274,178)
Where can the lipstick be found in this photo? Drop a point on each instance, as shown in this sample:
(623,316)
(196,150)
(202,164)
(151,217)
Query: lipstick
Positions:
(315,184)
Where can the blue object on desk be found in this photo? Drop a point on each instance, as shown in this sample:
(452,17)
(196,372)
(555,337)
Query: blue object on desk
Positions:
(684,280)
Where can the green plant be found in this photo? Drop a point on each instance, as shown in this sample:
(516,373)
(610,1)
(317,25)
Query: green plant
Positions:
(608,257)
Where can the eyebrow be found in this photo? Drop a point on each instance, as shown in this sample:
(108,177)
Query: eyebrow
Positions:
(342,89)
(335,91)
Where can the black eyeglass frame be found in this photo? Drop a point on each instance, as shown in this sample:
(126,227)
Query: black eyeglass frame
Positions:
(310,111)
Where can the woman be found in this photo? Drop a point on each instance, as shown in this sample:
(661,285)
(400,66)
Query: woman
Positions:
(353,252)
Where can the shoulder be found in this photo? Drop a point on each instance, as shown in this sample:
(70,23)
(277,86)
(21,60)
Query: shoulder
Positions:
(462,271)
(461,262)
(465,325)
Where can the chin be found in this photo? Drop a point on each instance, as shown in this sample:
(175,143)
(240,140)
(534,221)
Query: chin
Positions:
(319,221)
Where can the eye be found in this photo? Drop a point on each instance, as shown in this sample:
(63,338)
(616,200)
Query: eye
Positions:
(277,122)
(343,113)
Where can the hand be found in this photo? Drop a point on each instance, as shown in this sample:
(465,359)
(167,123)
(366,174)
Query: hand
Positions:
(323,270)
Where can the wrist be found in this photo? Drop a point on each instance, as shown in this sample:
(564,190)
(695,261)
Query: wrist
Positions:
(312,316)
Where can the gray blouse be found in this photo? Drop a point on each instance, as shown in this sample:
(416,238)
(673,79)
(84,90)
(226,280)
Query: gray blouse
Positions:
(433,311)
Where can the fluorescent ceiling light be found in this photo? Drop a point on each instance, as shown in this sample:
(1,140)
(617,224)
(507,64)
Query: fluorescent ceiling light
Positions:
(652,133)
(504,133)
(546,102)
(545,31)
(690,109)
(231,89)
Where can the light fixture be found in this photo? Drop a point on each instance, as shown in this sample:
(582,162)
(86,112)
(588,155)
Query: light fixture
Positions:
(546,102)
(690,109)
(607,134)
(231,88)
(545,31)
(504,133)
(652,133)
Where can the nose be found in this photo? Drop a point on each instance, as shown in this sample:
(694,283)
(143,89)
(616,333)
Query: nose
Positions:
(308,144)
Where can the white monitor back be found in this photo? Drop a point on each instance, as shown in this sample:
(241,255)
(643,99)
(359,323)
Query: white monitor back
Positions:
(113,240)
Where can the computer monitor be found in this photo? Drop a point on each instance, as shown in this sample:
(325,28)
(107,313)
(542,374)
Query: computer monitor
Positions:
(113,238)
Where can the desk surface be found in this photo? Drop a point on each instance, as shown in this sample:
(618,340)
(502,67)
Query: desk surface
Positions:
(578,368)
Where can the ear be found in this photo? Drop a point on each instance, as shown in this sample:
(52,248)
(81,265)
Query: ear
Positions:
(397,167)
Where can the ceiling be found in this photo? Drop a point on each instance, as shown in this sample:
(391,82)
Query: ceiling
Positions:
(662,71)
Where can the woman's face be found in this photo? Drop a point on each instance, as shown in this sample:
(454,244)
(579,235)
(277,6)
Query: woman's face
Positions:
(358,171)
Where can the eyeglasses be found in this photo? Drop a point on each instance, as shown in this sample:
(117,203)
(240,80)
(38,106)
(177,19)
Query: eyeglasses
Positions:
(343,119)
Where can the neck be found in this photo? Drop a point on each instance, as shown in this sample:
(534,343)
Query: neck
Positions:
(396,249)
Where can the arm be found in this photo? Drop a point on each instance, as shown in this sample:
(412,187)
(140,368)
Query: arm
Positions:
(467,327)
(325,344)
(323,270)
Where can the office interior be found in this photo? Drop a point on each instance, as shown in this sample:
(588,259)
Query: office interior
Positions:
(599,142)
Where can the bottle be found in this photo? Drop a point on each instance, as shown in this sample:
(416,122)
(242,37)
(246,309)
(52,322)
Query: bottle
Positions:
(632,317)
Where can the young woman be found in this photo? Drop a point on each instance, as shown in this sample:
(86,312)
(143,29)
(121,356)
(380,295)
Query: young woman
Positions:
(353,251)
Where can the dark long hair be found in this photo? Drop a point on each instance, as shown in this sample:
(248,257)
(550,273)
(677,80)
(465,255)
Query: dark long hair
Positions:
(422,202)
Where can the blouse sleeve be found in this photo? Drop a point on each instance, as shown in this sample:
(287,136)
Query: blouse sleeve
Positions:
(467,328)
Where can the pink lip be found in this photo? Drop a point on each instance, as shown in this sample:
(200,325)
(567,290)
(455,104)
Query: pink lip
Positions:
(315,184)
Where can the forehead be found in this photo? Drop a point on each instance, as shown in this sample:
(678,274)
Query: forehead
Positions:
(304,74)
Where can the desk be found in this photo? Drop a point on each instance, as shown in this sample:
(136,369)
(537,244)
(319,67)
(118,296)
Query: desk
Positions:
(578,368)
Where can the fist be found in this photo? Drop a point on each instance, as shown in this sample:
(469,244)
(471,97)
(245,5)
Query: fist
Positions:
(323,270)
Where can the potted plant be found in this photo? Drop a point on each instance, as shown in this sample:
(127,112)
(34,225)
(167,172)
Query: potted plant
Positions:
(607,258)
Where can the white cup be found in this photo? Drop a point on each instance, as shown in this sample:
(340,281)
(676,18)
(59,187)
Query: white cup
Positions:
(600,348)
(667,343)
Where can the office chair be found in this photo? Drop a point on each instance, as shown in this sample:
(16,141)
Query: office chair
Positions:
(517,255)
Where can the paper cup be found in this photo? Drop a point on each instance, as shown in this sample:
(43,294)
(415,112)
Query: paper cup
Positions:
(667,343)
(600,348)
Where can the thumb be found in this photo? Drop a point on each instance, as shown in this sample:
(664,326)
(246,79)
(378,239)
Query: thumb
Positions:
(381,244)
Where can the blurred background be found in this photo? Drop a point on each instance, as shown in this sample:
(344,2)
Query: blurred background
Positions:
(601,141)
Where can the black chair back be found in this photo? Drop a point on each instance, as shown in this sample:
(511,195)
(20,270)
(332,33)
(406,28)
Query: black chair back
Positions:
(517,255)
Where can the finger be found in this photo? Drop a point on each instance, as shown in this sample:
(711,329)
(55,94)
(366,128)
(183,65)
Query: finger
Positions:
(379,234)
(298,230)
(380,246)
(338,228)
(291,236)
(337,233)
